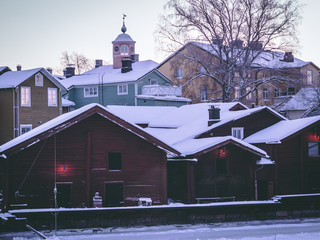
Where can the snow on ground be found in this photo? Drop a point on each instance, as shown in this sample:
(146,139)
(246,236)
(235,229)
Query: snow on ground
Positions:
(308,229)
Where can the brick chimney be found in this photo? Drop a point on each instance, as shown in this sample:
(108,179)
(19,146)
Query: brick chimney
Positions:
(70,71)
(214,115)
(19,67)
(99,63)
(288,57)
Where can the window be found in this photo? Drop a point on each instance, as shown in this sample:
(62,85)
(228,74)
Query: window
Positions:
(25,128)
(266,96)
(114,161)
(237,132)
(236,92)
(179,73)
(153,82)
(265,75)
(313,148)
(25,96)
(204,94)
(237,74)
(309,77)
(124,50)
(122,89)
(249,95)
(291,91)
(52,97)
(38,80)
(277,92)
(91,92)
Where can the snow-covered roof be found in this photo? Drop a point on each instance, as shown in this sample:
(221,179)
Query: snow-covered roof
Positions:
(165,98)
(178,127)
(140,114)
(67,103)
(303,100)
(4,69)
(193,146)
(108,75)
(266,59)
(281,130)
(62,119)
(12,79)
(123,37)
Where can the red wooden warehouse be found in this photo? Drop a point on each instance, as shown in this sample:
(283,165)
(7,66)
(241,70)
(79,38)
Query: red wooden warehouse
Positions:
(93,151)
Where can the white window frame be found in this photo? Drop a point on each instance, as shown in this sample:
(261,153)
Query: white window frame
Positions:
(203,94)
(250,95)
(309,76)
(122,89)
(266,94)
(179,73)
(38,80)
(236,92)
(90,92)
(277,92)
(28,126)
(25,94)
(237,74)
(237,132)
(52,97)
(124,50)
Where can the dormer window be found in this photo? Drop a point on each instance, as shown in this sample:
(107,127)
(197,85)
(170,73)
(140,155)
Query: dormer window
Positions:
(237,132)
(124,50)
(38,80)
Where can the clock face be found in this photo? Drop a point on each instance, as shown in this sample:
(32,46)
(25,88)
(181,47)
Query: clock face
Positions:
(132,49)
(116,48)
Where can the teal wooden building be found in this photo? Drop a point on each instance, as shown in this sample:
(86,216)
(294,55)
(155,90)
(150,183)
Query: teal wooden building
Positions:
(127,81)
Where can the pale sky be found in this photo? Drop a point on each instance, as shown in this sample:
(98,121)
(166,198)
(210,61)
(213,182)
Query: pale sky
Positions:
(34,33)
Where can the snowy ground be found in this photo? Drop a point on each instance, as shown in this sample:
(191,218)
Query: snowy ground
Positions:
(307,229)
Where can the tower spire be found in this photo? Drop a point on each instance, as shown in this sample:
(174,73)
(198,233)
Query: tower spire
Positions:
(124,29)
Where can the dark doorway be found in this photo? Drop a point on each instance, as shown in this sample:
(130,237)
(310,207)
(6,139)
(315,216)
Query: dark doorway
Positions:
(262,190)
(177,179)
(113,194)
(64,195)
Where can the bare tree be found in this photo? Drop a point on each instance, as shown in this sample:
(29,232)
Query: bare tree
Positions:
(80,61)
(237,38)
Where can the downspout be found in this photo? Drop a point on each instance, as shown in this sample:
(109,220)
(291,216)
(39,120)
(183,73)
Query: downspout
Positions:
(256,183)
(15,113)
(135,94)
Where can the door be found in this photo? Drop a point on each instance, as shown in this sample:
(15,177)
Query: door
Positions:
(113,194)
(64,195)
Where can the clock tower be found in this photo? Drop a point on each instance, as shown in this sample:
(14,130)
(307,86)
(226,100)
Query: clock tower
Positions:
(123,47)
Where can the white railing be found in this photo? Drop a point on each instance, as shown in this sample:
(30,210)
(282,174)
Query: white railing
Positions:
(157,90)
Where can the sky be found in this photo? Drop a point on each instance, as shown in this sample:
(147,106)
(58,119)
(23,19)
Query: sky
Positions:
(34,33)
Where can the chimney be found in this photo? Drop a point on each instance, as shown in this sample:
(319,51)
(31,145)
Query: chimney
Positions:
(99,63)
(126,65)
(70,71)
(19,67)
(288,57)
(49,70)
(237,43)
(135,58)
(255,45)
(214,115)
